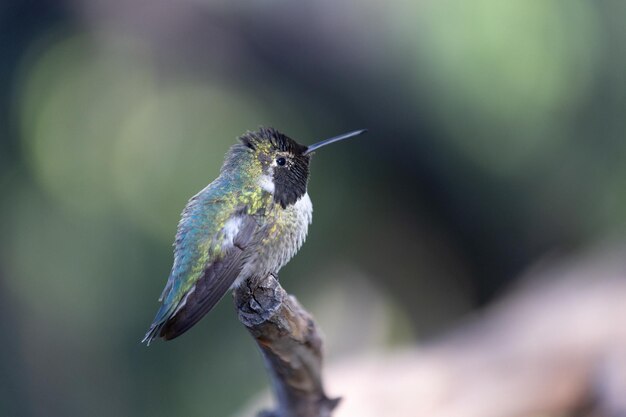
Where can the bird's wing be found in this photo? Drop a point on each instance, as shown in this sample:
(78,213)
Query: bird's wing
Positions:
(206,264)
(214,282)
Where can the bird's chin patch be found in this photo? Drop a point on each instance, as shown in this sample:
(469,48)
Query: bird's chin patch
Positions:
(267,183)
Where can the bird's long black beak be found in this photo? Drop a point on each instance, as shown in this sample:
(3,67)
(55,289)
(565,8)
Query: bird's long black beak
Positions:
(318,145)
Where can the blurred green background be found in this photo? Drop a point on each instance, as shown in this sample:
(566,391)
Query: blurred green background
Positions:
(496,138)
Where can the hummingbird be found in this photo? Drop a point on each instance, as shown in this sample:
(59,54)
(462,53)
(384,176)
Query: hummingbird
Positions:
(250,221)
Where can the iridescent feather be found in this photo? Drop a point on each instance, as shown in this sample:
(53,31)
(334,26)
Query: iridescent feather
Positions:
(208,250)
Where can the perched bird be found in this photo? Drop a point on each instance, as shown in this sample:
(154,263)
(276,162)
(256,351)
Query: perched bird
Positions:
(249,222)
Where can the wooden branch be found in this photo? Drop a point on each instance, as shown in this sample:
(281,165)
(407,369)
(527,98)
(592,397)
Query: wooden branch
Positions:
(291,346)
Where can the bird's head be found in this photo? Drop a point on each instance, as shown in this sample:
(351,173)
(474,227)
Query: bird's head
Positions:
(283,162)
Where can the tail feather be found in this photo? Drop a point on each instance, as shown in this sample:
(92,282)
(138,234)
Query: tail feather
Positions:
(152,334)
(162,317)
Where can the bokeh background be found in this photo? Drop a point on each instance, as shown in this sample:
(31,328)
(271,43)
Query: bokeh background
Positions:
(496,139)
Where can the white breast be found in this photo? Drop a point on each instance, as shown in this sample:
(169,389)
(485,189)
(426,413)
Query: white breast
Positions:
(285,235)
(303,213)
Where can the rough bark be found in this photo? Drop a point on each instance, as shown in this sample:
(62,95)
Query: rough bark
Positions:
(291,346)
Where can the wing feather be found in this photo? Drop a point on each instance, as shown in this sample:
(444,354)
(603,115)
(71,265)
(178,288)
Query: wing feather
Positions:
(218,276)
(213,285)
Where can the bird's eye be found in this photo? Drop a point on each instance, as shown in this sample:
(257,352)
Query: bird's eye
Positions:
(281,161)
